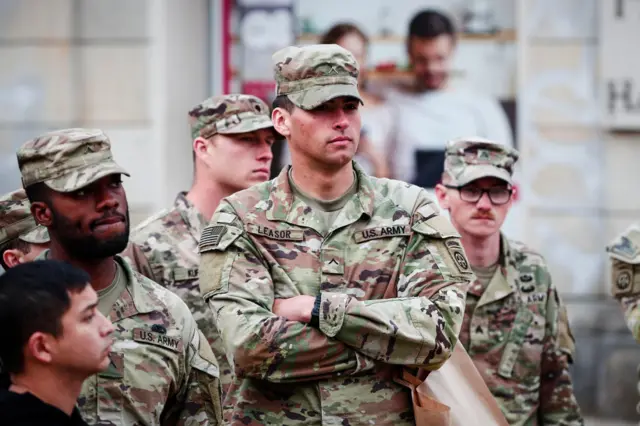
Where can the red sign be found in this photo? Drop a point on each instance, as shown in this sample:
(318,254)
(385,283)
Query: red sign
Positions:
(265,90)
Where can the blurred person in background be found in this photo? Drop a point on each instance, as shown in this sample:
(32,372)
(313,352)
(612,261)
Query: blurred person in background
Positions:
(56,340)
(232,136)
(513,323)
(430,111)
(376,118)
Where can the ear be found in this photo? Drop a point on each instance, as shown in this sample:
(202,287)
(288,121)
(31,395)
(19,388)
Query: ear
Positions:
(13,257)
(200,146)
(281,119)
(42,213)
(443,196)
(39,347)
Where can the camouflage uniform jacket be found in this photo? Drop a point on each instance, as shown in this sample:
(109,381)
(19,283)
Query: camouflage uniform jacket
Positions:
(624,254)
(162,372)
(510,331)
(391,274)
(170,241)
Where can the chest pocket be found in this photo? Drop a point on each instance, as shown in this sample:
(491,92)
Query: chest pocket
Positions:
(373,268)
(143,376)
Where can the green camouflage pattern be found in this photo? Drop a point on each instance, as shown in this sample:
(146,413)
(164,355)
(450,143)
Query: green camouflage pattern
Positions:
(134,255)
(469,159)
(624,259)
(391,274)
(511,332)
(314,74)
(162,372)
(16,220)
(68,159)
(229,114)
(169,240)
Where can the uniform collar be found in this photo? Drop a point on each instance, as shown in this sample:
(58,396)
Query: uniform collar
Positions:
(504,281)
(284,207)
(194,220)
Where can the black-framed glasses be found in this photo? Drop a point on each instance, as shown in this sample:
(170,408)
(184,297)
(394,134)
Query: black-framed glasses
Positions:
(498,195)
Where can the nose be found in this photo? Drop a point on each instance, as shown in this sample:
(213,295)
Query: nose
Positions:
(106,199)
(484,203)
(264,152)
(340,123)
(107,326)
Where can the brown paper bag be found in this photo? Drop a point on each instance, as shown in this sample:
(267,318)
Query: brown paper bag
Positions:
(453,395)
(426,410)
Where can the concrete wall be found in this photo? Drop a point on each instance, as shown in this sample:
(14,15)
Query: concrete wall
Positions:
(131,68)
(579,191)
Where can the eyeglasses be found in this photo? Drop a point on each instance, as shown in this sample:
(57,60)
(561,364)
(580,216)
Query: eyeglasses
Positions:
(472,194)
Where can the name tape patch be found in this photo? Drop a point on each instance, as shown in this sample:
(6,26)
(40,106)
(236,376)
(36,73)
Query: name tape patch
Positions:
(277,234)
(382,232)
(145,336)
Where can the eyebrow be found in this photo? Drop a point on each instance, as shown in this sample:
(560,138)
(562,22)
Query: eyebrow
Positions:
(91,307)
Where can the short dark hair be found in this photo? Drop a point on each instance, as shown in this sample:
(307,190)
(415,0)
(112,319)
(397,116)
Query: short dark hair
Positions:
(34,297)
(430,24)
(335,33)
(282,101)
(37,192)
(15,244)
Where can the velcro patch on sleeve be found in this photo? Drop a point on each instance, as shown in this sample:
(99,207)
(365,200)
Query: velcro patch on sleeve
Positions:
(436,227)
(145,336)
(212,265)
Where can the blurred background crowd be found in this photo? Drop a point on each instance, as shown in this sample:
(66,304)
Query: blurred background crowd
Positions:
(554,78)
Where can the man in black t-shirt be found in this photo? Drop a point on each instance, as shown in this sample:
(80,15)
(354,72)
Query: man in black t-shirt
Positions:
(57,339)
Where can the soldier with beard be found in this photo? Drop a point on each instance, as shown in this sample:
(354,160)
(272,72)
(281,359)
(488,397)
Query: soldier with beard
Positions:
(161,370)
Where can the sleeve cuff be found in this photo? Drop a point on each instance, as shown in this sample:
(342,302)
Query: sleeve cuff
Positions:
(315,313)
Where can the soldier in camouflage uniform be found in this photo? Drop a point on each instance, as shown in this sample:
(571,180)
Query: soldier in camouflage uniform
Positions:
(162,371)
(21,238)
(624,255)
(232,137)
(326,282)
(512,316)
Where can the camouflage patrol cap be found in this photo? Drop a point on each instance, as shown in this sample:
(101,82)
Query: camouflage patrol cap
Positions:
(67,160)
(16,220)
(468,159)
(314,74)
(229,114)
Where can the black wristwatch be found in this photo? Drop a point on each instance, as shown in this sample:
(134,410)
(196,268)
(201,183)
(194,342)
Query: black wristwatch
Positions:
(315,313)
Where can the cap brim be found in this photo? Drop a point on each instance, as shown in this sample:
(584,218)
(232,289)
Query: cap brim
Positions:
(83,176)
(39,235)
(250,125)
(317,95)
(483,171)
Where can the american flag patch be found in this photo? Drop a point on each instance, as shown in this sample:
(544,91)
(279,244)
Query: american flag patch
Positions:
(211,236)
